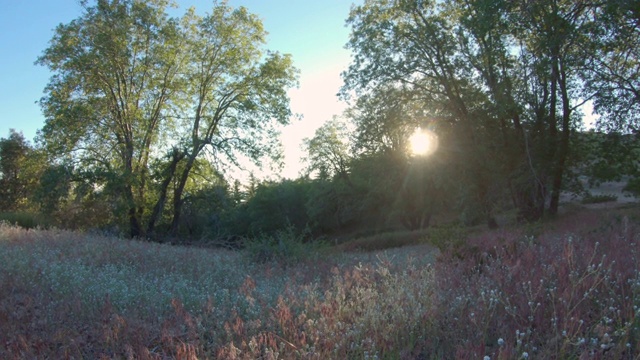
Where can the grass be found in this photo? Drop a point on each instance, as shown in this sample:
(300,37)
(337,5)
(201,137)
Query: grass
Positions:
(25,220)
(385,240)
(569,291)
(601,198)
(443,236)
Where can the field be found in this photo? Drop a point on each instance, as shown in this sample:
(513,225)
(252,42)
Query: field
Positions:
(565,289)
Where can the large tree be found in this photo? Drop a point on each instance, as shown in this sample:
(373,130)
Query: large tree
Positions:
(413,47)
(15,176)
(611,55)
(328,150)
(128,80)
(504,78)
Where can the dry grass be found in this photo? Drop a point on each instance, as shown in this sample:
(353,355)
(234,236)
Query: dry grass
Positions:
(568,292)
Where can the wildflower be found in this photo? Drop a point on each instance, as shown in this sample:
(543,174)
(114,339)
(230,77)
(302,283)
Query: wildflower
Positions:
(487,357)
(525,355)
(501,342)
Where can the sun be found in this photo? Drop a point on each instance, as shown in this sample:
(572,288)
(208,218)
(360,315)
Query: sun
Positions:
(422,142)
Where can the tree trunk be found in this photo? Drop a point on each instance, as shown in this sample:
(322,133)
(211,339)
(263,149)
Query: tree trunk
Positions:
(177,194)
(176,156)
(134,222)
(563,149)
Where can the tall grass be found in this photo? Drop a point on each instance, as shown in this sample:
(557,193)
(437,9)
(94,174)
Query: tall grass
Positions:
(25,220)
(566,293)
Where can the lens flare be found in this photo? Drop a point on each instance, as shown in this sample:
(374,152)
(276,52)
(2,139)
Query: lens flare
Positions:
(423,142)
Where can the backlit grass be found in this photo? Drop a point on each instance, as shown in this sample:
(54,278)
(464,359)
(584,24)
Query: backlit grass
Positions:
(569,292)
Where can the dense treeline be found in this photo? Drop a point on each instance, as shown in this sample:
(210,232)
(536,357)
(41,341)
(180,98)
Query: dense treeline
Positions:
(145,114)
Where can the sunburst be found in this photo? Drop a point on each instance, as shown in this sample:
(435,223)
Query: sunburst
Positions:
(422,142)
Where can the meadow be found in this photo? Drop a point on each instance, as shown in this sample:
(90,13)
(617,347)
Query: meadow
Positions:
(563,289)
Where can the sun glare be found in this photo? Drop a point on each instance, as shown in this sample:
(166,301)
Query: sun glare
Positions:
(422,142)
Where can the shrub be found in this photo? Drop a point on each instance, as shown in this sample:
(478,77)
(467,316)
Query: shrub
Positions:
(571,296)
(633,186)
(447,238)
(286,247)
(25,220)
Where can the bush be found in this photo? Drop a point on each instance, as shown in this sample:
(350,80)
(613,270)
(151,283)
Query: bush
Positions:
(633,186)
(286,247)
(565,296)
(445,238)
(25,220)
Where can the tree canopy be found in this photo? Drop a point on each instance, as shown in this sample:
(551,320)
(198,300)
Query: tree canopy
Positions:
(147,112)
(131,83)
(502,81)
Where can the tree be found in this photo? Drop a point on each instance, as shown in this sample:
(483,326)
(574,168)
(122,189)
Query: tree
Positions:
(53,188)
(127,80)
(411,46)
(328,150)
(552,31)
(276,206)
(233,92)
(384,119)
(114,71)
(502,77)
(611,64)
(333,205)
(15,177)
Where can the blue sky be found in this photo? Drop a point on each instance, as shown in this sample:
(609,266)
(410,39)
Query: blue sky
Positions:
(312,31)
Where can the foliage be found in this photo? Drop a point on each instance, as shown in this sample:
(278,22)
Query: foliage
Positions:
(25,220)
(447,238)
(377,180)
(610,57)
(385,240)
(608,156)
(500,82)
(286,247)
(384,119)
(16,174)
(633,186)
(275,206)
(205,211)
(600,198)
(332,205)
(127,77)
(328,153)
(146,112)
(54,188)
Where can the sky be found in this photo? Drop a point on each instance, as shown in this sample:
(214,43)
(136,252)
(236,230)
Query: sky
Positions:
(313,32)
